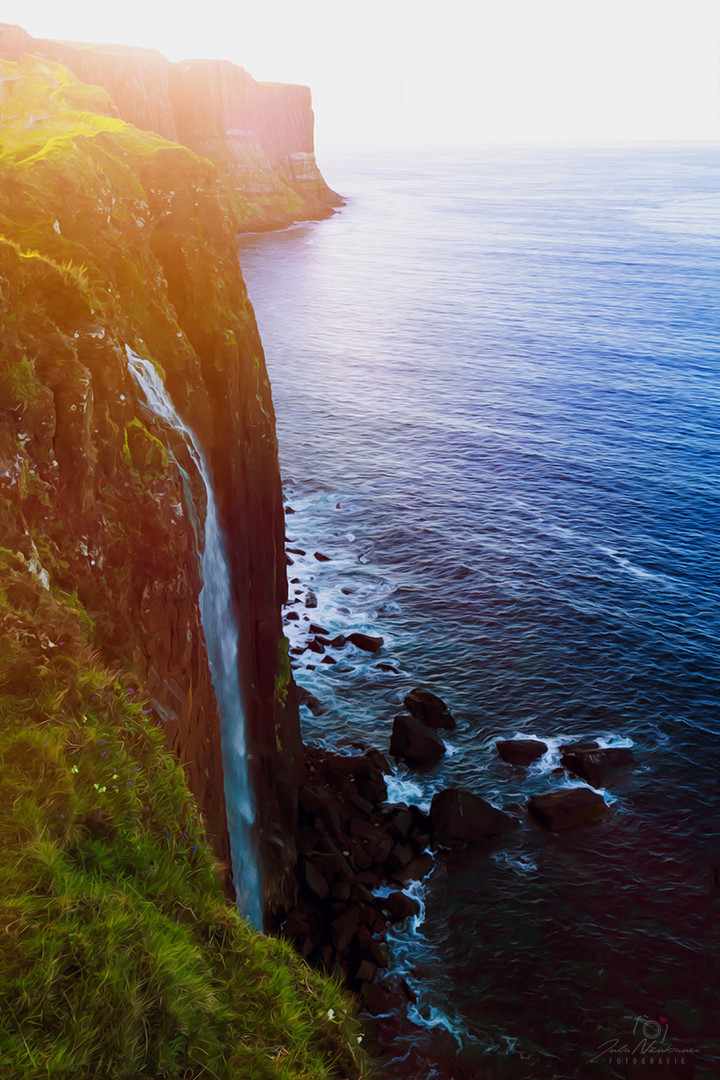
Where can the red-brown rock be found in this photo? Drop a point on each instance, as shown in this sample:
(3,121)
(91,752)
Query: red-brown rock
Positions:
(601,768)
(520,751)
(568,808)
(415,743)
(429,708)
(460,817)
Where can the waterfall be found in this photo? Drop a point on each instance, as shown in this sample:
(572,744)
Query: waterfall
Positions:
(221,634)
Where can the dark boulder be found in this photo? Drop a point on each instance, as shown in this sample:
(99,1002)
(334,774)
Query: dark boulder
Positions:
(320,557)
(365,971)
(344,928)
(315,881)
(599,767)
(366,641)
(379,999)
(378,759)
(401,823)
(365,769)
(429,709)
(566,809)
(459,817)
(400,906)
(520,751)
(581,744)
(310,599)
(400,855)
(417,869)
(415,743)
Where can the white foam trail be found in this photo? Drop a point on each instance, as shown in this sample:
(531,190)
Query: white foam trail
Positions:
(401,789)
(522,864)
(632,568)
(221,635)
(434,1017)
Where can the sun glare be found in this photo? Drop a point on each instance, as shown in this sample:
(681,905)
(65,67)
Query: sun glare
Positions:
(469,71)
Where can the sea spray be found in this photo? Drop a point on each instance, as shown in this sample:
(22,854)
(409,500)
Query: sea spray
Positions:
(221,635)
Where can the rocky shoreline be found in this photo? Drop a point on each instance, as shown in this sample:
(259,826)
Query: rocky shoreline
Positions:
(359,854)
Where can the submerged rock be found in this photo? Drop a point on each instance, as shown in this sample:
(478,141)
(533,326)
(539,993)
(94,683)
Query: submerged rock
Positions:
(520,751)
(366,641)
(415,743)
(306,698)
(460,817)
(561,810)
(429,708)
(599,767)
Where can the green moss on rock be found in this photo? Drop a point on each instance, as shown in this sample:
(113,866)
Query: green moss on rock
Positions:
(120,955)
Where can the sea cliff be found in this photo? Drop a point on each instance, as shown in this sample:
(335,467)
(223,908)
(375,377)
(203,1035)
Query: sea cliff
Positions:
(259,135)
(117,242)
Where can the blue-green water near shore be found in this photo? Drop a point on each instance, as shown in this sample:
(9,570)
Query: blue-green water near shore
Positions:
(497,382)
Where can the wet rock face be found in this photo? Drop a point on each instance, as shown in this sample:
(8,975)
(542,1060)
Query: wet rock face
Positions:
(430,709)
(460,817)
(350,841)
(520,751)
(601,768)
(91,490)
(566,809)
(415,743)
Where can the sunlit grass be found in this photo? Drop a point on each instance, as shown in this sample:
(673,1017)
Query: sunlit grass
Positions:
(119,953)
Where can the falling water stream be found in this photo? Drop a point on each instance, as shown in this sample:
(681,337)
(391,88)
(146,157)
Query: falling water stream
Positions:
(221,635)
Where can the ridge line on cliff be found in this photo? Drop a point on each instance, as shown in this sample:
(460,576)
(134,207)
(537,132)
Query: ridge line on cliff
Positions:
(259,135)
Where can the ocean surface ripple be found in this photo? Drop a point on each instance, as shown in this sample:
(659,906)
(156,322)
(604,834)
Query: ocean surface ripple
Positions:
(496,382)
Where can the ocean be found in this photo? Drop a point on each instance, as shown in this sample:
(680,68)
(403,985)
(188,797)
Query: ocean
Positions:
(496,374)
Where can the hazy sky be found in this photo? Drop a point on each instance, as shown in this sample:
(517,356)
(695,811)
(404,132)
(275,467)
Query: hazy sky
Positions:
(414,70)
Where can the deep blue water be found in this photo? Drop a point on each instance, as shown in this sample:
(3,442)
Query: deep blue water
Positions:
(497,382)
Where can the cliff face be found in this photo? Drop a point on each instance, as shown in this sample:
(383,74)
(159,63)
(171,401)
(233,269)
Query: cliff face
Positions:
(259,135)
(110,237)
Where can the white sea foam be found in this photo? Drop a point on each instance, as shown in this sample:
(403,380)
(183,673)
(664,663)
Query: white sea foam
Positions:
(404,789)
(432,1016)
(641,572)
(522,864)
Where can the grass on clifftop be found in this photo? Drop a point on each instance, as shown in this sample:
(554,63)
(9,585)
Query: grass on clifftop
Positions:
(119,956)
